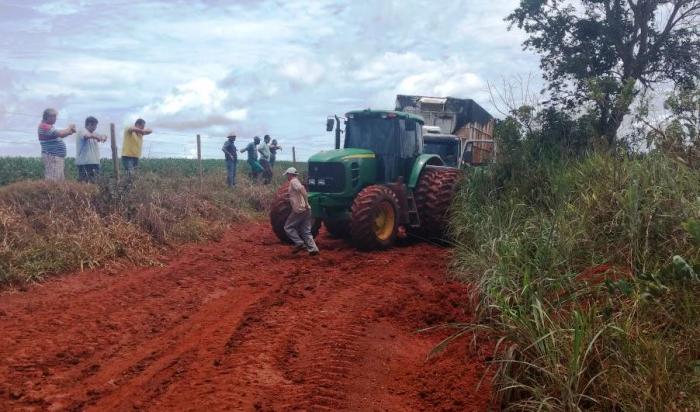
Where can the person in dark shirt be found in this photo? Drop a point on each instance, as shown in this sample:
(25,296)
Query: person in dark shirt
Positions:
(231,155)
(255,168)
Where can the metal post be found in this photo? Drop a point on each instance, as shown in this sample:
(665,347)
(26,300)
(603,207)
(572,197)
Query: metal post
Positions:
(294,157)
(115,158)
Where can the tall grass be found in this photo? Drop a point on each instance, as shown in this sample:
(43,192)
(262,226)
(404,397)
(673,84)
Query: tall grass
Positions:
(586,276)
(48,228)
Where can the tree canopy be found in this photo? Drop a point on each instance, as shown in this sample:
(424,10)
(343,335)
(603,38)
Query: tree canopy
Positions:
(604,52)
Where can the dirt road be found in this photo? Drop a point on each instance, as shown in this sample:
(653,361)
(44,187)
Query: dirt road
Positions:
(242,325)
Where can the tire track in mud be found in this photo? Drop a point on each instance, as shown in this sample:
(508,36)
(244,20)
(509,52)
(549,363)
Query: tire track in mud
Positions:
(242,325)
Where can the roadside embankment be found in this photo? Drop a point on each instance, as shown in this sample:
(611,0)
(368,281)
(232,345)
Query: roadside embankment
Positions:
(587,270)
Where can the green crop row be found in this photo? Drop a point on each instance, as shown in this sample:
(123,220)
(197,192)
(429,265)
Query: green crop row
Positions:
(16,169)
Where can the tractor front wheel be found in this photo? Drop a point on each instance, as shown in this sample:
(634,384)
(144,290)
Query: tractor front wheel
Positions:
(374,218)
(279,212)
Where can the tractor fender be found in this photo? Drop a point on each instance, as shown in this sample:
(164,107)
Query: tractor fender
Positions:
(420,163)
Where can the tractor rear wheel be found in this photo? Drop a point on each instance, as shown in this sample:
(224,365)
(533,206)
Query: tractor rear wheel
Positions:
(279,212)
(374,218)
(434,193)
(338,228)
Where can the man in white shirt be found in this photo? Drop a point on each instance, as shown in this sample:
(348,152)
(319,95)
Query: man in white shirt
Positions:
(87,152)
(265,154)
(298,224)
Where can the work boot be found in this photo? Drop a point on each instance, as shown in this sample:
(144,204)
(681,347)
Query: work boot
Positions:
(297,248)
(313,252)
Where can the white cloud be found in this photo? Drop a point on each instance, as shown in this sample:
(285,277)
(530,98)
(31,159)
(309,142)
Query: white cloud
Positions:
(303,71)
(442,82)
(61,8)
(199,103)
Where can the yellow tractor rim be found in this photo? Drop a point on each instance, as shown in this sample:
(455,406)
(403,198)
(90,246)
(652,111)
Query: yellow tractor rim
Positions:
(384,221)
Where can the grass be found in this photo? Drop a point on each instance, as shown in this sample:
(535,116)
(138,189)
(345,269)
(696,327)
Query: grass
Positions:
(17,169)
(587,273)
(50,228)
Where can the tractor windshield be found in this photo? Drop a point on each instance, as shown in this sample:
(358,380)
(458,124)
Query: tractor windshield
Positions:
(448,150)
(377,134)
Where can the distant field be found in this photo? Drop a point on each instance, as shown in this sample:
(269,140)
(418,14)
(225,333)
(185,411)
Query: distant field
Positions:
(14,169)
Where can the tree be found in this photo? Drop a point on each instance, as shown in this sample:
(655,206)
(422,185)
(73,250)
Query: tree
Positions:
(677,132)
(605,52)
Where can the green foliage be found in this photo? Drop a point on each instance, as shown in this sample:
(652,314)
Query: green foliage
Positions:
(587,271)
(16,169)
(603,52)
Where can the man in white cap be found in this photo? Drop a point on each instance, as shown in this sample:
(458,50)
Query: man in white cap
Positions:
(298,224)
(231,155)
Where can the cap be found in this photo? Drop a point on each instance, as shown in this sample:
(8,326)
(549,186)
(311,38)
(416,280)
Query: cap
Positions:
(231,134)
(291,171)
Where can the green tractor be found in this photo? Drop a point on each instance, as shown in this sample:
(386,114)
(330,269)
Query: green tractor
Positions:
(379,186)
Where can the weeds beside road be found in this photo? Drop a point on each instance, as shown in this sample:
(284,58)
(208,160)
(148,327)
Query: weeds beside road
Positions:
(588,277)
(48,228)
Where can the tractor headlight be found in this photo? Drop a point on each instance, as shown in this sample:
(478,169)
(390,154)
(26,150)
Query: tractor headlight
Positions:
(321,182)
(312,181)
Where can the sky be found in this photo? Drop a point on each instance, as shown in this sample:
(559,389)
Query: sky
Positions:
(253,67)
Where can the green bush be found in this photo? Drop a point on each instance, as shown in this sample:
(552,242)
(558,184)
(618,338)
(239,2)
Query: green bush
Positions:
(581,269)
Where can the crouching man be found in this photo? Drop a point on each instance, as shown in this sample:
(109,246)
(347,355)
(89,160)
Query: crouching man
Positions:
(298,225)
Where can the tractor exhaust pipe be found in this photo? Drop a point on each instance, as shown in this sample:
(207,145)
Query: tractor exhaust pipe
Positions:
(337,133)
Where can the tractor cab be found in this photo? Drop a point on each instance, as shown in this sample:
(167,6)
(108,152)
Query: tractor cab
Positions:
(395,139)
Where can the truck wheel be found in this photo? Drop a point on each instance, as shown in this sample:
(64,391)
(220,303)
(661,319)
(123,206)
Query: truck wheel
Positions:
(279,212)
(338,228)
(374,218)
(434,194)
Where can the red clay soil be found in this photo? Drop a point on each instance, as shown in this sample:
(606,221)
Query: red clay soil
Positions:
(241,324)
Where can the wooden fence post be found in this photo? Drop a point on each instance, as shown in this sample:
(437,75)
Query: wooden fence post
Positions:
(294,156)
(199,158)
(115,158)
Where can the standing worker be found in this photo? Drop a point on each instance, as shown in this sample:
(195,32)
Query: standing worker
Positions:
(231,159)
(53,149)
(255,167)
(298,224)
(264,150)
(274,147)
(131,147)
(87,152)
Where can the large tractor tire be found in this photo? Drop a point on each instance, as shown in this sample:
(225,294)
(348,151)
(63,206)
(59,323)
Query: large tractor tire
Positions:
(374,218)
(279,212)
(338,228)
(434,193)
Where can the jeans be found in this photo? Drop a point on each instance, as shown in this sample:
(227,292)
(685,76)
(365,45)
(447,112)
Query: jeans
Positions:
(231,172)
(130,164)
(88,173)
(298,229)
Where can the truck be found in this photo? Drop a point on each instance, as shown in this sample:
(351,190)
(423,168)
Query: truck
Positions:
(377,187)
(458,129)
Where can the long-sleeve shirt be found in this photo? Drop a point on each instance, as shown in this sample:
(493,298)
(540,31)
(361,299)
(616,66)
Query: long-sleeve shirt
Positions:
(230,150)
